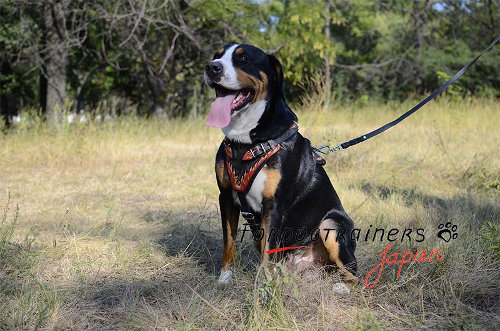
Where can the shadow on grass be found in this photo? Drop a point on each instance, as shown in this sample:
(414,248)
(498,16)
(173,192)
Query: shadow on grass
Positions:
(471,269)
(201,239)
(473,207)
(171,299)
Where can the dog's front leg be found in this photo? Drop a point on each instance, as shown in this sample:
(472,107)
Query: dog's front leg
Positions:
(269,226)
(229,213)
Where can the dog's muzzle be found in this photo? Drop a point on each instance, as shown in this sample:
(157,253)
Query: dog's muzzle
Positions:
(214,70)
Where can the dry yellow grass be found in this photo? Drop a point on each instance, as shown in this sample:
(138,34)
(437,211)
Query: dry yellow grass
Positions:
(125,226)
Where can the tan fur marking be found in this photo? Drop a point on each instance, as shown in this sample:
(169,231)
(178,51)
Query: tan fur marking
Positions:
(249,81)
(263,87)
(264,245)
(230,230)
(222,176)
(239,51)
(229,250)
(220,51)
(332,246)
(273,177)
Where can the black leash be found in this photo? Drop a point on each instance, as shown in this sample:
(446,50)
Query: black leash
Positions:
(325,149)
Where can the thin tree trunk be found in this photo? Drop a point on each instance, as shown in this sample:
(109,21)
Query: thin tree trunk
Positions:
(6,105)
(327,56)
(194,108)
(6,110)
(420,22)
(56,59)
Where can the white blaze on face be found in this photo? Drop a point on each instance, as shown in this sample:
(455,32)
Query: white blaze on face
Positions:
(221,108)
(229,79)
(238,124)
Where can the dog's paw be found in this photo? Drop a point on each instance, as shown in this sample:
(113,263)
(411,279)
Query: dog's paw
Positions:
(341,288)
(225,277)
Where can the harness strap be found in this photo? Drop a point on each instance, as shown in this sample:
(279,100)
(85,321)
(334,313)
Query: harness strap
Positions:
(325,149)
(243,162)
(262,152)
(264,147)
(245,210)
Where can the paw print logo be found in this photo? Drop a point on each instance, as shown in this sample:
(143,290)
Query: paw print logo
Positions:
(448,231)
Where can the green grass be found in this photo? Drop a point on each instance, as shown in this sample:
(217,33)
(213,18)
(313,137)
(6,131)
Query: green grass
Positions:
(118,225)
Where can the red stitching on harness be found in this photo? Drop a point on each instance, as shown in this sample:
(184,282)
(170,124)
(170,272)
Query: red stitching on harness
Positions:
(247,176)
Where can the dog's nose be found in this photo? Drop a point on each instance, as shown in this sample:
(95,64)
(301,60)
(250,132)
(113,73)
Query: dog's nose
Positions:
(214,69)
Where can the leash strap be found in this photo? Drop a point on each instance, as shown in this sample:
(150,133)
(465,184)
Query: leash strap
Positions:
(325,149)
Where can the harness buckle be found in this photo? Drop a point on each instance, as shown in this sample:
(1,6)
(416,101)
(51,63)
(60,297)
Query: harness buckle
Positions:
(247,215)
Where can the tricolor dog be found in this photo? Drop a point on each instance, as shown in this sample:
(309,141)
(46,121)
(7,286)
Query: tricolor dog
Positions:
(267,171)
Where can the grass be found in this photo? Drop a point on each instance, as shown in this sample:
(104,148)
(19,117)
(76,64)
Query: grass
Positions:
(118,226)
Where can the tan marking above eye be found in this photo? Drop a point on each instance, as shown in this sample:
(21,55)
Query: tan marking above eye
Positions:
(220,51)
(239,51)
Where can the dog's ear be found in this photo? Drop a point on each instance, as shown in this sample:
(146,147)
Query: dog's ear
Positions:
(278,70)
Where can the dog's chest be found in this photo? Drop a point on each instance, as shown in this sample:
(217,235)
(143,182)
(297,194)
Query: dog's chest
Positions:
(255,194)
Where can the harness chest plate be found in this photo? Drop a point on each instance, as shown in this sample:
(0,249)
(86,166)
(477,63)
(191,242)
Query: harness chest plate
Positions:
(242,171)
(244,162)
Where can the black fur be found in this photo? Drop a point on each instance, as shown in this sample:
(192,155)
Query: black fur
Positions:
(305,195)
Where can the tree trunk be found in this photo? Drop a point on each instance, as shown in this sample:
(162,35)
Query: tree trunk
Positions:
(328,84)
(194,107)
(419,26)
(56,58)
(6,110)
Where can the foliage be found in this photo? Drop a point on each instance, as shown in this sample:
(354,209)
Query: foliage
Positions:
(365,321)
(7,228)
(297,29)
(491,234)
(151,53)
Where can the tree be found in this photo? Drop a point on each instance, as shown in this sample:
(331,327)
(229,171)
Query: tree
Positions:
(55,58)
(17,87)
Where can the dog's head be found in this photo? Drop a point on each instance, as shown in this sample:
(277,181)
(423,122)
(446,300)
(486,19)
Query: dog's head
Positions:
(249,89)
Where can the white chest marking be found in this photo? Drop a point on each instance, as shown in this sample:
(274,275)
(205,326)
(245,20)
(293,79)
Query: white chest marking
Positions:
(254,196)
(243,121)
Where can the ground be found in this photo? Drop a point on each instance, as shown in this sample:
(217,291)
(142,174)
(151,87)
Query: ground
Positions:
(117,226)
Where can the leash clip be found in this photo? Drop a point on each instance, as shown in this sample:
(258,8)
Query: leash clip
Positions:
(326,149)
(337,148)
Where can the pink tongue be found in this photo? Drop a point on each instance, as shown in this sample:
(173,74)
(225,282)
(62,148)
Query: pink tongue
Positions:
(220,111)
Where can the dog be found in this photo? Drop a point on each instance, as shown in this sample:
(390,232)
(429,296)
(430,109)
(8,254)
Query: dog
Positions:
(267,171)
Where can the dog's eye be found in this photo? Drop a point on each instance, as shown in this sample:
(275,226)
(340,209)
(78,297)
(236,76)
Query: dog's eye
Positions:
(243,58)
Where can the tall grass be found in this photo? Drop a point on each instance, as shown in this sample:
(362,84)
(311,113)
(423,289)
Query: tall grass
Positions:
(124,232)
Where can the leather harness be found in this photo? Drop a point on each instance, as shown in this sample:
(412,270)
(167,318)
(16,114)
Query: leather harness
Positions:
(244,161)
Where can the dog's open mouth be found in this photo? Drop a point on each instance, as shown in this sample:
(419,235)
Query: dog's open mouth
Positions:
(240,97)
(226,103)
